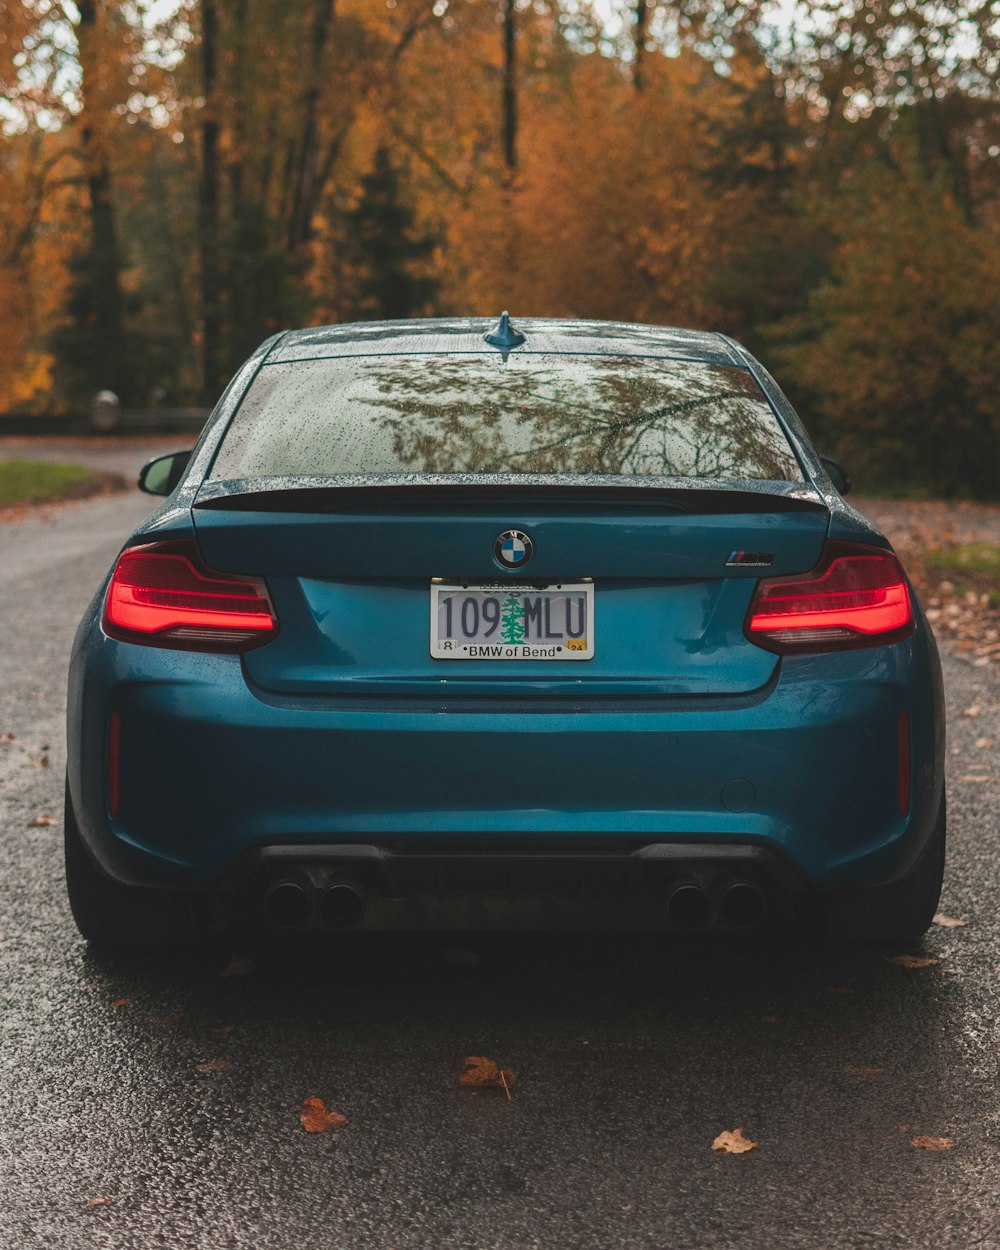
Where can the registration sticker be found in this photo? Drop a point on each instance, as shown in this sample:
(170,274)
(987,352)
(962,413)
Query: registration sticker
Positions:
(497,621)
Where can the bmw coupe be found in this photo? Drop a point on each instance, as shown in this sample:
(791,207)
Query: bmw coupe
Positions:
(451,624)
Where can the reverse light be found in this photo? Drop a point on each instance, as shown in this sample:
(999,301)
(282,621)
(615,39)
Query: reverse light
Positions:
(161,595)
(856,597)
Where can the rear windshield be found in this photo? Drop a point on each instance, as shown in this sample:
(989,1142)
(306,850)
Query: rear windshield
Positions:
(559,414)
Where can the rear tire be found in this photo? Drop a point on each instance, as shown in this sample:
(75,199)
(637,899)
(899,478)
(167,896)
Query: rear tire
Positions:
(900,911)
(113,915)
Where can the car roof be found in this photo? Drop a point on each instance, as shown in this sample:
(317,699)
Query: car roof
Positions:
(464,336)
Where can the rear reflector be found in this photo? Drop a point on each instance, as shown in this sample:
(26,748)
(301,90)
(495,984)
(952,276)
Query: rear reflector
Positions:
(161,595)
(856,597)
(903,792)
(114,762)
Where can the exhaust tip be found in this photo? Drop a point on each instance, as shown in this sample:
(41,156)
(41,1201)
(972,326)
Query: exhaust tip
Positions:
(689,907)
(743,905)
(287,905)
(342,906)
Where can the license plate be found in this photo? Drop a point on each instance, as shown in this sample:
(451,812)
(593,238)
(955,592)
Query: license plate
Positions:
(503,622)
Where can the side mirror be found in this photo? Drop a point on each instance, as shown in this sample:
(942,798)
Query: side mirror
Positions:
(837,474)
(160,476)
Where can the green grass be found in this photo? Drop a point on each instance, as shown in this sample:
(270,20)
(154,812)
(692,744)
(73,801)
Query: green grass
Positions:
(971,558)
(968,566)
(31,481)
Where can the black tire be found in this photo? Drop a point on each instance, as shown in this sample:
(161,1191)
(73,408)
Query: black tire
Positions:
(113,915)
(901,911)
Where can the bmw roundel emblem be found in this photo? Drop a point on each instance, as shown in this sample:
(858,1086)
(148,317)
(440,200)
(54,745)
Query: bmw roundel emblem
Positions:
(513,549)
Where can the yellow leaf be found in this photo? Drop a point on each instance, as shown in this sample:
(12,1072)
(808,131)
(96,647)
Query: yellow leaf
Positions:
(315,1118)
(733,1143)
(40,822)
(949,922)
(933,1143)
(480,1071)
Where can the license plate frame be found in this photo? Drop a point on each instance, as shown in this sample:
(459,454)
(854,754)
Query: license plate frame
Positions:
(554,644)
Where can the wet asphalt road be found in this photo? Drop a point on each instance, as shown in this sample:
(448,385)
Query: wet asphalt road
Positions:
(630,1055)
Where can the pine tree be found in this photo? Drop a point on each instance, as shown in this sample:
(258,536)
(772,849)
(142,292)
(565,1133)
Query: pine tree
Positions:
(512,620)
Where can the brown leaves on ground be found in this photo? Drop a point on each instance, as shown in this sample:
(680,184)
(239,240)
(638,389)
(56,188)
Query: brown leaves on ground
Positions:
(213,1065)
(949,922)
(315,1117)
(480,1072)
(933,1143)
(861,1069)
(7,738)
(40,822)
(100,1201)
(911,961)
(238,966)
(122,1002)
(733,1143)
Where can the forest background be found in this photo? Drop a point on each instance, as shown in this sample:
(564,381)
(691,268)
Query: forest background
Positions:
(819,179)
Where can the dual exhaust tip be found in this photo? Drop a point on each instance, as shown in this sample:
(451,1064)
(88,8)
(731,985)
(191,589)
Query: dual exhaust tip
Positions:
(290,904)
(741,905)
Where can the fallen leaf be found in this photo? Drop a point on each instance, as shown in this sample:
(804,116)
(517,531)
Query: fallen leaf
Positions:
(984,743)
(733,1143)
(479,1071)
(238,966)
(222,1028)
(44,761)
(5,738)
(972,711)
(213,1065)
(98,1202)
(911,961)
(168,1022)
(315,1118)
(949,922)
(122,1002)
(861,1069)
(976,777)
(933,1143)
(40,822)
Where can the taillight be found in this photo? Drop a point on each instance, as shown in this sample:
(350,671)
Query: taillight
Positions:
(856,597)
(162,595)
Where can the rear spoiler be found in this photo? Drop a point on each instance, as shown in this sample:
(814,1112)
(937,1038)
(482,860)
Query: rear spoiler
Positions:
(420,491)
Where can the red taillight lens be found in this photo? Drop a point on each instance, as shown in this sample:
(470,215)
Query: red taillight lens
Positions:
(857,597)
(163,596)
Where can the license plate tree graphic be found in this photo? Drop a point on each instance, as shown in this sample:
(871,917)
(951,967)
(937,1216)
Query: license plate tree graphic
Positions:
(512,620)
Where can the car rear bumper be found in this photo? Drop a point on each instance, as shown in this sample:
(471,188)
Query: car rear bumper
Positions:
(212,771)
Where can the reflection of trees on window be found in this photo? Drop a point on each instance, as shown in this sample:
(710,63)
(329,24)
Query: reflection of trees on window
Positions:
(533,414)
(601,415)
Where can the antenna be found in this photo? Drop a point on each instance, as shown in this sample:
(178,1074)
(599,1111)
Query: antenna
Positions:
(503,334)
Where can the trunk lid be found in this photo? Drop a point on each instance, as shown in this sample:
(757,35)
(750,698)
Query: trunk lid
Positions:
(350,574)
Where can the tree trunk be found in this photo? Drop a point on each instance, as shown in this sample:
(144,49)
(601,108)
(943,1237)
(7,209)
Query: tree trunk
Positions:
(104,258)
(306,184)
(208,209)
(509,87)
(641,27)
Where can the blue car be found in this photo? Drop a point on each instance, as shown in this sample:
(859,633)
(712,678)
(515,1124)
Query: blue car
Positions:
(453,624)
